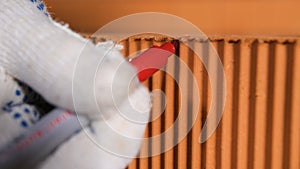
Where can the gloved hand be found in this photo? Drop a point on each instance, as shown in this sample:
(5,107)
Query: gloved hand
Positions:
(60,65)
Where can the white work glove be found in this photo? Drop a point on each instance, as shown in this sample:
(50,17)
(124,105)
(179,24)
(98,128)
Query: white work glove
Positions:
(59,65)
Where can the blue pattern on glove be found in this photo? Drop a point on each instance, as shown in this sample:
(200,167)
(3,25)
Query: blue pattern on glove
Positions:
(40,6)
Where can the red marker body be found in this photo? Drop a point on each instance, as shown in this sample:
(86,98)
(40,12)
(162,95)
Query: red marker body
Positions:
(152,60)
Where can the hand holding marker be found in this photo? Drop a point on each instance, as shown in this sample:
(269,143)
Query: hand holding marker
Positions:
(59,125)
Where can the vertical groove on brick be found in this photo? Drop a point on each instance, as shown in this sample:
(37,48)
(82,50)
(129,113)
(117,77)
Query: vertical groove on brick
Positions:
(190,106)
(219,134)
(176,107)
(163,120)
(169,111)
(145,161)
(226,142)
(205,104)
(270,104)
(235,104)
(244,95)
(260,109)
(278,109)
(252,105)
(295,115)
(210,144)
(156,117)
(182,123)
(286,156)
(134,45)
(150,131)
(199,71)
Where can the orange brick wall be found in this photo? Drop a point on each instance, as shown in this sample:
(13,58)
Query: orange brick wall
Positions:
(260,125)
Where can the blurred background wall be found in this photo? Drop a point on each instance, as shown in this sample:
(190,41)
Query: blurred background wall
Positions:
(229,17)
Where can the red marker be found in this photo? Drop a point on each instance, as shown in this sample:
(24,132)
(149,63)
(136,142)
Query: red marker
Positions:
(152,60)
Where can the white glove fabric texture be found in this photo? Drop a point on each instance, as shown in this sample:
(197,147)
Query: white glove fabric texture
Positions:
(16,115)
(71,73)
